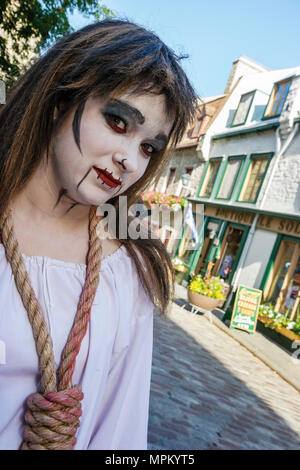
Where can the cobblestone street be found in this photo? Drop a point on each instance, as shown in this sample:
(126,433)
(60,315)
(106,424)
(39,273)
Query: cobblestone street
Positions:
(209,392)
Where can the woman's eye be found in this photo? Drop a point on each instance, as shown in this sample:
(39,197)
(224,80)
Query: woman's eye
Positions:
(148,149)
(116,123)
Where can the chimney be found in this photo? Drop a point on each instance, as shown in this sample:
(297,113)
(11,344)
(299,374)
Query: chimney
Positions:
(243,66)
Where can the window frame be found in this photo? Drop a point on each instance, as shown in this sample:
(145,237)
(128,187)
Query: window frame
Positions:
(272,96)
(230,158)
(268,277)
(269,156)
(245,229)
(248,111)
(200,120)
(211,160)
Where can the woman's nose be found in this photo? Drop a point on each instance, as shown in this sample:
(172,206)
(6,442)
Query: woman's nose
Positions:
(127,162)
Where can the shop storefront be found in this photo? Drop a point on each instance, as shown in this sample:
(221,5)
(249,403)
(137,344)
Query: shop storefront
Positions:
(224,234)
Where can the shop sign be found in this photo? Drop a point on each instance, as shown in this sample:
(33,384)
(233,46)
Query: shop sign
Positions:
(286,226)
(239,217)
(245,310)
(265,222)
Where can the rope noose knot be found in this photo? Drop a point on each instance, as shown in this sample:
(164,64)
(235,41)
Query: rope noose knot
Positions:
(52,420)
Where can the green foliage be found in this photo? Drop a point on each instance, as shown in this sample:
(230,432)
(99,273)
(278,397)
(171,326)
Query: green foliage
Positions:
(211,287)
(278,320)
(41,21)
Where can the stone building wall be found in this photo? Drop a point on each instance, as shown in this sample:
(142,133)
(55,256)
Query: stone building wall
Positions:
(182,159)
(284,191)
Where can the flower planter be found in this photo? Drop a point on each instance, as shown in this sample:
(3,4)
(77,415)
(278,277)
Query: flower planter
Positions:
(283,331)
(283,337)
(202,301)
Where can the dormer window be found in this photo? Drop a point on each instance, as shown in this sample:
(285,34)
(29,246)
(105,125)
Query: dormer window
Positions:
(196,130)
(243,109)
(277,98)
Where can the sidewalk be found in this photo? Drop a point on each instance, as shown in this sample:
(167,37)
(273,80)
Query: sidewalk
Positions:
(263,348)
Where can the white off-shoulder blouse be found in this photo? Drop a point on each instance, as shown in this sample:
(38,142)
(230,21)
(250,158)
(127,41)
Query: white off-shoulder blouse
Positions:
(114,362)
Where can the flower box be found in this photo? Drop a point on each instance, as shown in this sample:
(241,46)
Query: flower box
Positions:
(164,201)
(283,331)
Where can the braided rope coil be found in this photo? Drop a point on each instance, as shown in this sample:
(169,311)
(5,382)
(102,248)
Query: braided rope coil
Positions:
(52,420)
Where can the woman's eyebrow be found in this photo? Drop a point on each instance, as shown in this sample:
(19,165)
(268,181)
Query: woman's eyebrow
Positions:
(162,138)
(135,114)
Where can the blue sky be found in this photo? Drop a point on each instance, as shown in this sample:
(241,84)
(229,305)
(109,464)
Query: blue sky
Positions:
(215,32)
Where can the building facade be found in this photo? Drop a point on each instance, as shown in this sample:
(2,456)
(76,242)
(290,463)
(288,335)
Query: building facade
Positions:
(250,189)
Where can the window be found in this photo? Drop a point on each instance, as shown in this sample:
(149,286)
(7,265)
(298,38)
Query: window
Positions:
(243,109)
(210,178)
(254,177)
(196,129)
(283,286)
(171,177)
(229,251)
(230,177)
(186,183)
(277,98)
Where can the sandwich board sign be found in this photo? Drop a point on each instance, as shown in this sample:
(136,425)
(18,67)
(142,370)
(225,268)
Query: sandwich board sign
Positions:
(245,309)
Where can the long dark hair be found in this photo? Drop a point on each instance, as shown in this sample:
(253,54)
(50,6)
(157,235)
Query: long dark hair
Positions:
(104,58)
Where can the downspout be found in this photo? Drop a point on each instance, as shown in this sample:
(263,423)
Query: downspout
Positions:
(278,153)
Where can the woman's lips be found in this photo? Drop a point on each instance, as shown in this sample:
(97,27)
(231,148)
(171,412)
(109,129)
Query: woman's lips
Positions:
(107,177)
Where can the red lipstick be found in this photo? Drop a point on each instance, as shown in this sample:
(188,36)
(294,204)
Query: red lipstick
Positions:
(107,177)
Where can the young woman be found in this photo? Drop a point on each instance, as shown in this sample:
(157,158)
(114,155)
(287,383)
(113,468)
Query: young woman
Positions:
(91,120)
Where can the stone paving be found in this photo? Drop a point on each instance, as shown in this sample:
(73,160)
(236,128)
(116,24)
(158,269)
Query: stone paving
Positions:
(208,392)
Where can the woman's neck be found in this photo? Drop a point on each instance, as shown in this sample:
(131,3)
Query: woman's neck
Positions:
(42,203)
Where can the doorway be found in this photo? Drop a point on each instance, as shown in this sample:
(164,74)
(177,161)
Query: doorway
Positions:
(209,246)
(229,252)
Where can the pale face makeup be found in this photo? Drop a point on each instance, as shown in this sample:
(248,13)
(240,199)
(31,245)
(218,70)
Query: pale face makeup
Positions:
(118,137)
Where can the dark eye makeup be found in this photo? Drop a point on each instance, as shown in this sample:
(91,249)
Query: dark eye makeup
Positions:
(117,123)
(148,152)
(116,115)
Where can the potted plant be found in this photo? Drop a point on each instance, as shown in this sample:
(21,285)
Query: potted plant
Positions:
(180,269)
(206,292)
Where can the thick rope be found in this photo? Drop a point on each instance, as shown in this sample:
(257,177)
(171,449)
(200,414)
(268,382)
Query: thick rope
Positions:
(35,315)
(52,420)
(67,365)
(52,417)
